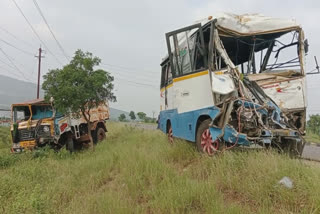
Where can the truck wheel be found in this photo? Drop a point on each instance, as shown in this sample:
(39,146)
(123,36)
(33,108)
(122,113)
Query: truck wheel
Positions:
(70,145)
(204,140)
(99,135)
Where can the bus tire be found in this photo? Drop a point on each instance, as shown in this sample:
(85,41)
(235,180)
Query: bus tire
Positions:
(170,133)
(204,141)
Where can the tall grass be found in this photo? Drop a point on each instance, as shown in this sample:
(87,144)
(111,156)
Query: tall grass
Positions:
(312,137)
(138,171)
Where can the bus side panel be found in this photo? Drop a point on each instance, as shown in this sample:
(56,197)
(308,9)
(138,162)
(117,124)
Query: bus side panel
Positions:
(193,92)
(184,124)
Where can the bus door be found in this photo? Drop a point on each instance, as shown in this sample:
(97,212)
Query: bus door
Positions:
(191,82)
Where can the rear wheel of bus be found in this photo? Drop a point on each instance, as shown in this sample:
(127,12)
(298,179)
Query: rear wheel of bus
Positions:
(204,140)
(169,133)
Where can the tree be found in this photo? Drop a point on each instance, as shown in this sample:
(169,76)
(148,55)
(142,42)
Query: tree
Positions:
(78,87)
(122,117)
(132,115)
(141,115)
(313,124)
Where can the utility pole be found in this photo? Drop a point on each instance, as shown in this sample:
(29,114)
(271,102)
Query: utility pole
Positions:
(39,68)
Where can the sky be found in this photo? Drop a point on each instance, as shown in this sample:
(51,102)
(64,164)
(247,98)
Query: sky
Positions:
(129,37)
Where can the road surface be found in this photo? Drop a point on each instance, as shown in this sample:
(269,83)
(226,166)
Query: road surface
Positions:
(309,152)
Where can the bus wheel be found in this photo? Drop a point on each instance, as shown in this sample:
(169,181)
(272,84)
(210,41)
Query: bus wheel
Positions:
(170,135)
(204,140)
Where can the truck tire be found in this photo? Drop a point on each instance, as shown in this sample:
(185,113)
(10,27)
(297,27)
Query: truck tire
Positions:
(99,135)
(204,141)
(70,145)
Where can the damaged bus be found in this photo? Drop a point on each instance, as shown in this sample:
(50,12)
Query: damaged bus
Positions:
(235,81)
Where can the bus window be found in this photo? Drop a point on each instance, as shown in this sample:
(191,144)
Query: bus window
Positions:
(182,45)
(169,73)
(163,75)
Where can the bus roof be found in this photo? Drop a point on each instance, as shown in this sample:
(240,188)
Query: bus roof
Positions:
(251,24)
(246,25)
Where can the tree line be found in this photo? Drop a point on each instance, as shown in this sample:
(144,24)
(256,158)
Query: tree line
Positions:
(141,115)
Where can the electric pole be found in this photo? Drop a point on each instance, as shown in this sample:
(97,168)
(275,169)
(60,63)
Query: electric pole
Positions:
(39,68)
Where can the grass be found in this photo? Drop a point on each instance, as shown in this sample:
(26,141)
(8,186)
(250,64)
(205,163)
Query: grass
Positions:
(312,138)
(137,171)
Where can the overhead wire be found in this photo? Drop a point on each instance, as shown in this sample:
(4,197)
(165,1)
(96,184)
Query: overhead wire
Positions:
(14,65)
(7,74)
(53,35)
(19,49)
(16,38)
(130,69)
(136,83)
(35,32)
(135,76)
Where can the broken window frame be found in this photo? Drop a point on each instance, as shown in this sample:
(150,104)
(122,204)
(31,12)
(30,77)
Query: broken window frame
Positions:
(173,56)
(17,109)
(265,66)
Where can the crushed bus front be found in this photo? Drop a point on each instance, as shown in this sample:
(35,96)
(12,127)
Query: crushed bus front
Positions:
(236,80)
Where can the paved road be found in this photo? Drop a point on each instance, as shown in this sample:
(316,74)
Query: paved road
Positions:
(310,151)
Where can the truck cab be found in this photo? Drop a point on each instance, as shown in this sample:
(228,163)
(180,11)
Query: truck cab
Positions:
(37,123)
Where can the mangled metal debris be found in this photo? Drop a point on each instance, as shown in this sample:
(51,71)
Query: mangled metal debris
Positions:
(235,80)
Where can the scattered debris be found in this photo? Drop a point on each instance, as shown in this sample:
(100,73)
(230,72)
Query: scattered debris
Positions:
(286,182)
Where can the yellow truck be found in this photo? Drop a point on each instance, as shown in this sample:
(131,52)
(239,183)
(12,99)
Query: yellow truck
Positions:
(36,123)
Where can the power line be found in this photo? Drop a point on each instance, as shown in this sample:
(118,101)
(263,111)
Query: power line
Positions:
(135,77)
(5,69)
(11,45)
(7,64)
(45,20)
(16,38)
(137,83)
(150,76)
(128,68)
(14,65)
(34,31)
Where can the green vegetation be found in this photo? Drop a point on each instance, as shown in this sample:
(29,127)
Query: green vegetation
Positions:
(122,117)
(132,115)
(138,171)
(78,87)
(312,138)
(141,115)
(313,129)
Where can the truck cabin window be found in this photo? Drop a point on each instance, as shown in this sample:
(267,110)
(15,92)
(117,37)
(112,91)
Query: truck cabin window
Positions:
(21,113)
(42,111)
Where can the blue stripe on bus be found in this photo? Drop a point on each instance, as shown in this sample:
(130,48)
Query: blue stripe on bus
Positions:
(184,124)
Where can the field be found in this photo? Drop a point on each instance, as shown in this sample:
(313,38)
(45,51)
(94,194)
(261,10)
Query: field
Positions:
(312,138)
(138,171)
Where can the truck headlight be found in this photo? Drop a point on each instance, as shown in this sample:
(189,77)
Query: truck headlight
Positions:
(46,129)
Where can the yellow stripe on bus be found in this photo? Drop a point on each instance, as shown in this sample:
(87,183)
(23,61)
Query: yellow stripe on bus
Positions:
(185,77)
(162,89)
(191,76)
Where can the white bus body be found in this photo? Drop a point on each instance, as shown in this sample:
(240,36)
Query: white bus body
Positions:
(234,80)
